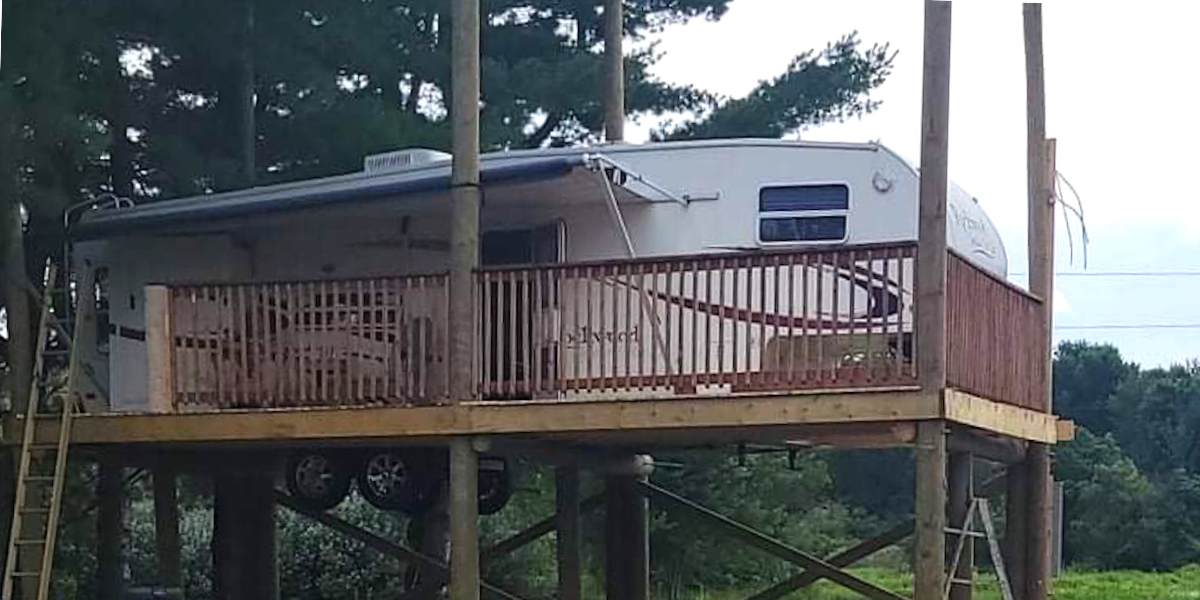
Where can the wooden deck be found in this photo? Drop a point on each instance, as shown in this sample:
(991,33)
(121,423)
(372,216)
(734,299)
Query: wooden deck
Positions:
(855,418)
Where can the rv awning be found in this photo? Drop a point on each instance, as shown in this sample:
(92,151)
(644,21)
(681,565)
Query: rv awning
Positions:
(566,180)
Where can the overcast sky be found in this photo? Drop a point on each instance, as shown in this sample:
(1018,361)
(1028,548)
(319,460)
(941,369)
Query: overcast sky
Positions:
(1119,101)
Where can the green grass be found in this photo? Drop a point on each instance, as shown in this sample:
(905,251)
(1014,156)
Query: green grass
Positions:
(1183,584)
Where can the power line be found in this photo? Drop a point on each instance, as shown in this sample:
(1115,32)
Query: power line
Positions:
(1120,274)
(1123,326)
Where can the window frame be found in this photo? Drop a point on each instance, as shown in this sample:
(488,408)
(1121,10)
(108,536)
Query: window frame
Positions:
(760,214)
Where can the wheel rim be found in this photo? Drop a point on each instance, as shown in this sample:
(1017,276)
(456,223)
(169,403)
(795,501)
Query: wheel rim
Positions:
(314,475)
(386,473)
(489,488)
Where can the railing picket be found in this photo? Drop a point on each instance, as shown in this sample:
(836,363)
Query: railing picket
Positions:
(791,322)
(602,328)
(537,334)
(818,367)
(614,295)
(695,329)
(525,316)
(871,310)
(577,301)
(748,377)
(627,278)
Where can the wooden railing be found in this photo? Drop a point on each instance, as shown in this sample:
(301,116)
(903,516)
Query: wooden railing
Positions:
(709,324)
(994,337)
(262,345)
(719,323)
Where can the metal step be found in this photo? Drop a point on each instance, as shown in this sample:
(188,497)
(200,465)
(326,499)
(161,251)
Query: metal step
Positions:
(27,574)
(39,478)
(36,510)
(31,542)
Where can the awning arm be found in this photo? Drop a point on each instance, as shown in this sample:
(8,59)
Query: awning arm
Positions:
(597,162)
(615,210)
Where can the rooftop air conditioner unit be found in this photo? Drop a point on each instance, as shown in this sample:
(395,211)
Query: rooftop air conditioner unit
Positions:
(402,159)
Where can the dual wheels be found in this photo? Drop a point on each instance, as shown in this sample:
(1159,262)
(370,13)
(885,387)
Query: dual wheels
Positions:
(405,480)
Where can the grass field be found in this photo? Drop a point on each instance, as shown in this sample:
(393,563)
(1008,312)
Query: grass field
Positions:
(1073,585)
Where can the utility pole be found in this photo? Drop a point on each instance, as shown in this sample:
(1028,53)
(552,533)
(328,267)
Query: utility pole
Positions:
(1041,174)
(929,555)
(614,71)
(464,242)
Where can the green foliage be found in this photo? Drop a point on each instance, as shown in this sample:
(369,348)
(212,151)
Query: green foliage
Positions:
(1159,418)
(830,85)
(794,505)
(1086,376)
(1133,491)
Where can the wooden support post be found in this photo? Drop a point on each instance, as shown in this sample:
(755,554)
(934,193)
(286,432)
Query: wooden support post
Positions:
(614,71)
(962,494)
(568,533)
(626,540)
(931,251)
(110,528)
(465,195)
(1040,155)
(464,520)
(244,546)
(166,530)
(1016,509)
(929,554)
(160,350)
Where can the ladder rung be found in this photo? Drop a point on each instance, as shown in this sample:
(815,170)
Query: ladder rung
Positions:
(44,446)
(50,415)
(31,542)
(39,478)
(957,581)
(27,574)
(37,510)
(974,534)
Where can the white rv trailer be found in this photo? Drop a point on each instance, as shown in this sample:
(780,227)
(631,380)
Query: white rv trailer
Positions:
(707,222)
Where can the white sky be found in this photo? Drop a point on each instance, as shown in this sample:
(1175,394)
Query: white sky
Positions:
(1119,100)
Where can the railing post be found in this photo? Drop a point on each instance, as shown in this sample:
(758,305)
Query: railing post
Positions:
(931,237)
(465,195)
(160,350)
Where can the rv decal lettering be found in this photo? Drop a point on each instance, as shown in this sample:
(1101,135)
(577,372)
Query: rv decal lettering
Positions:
(977,231)
(585,337)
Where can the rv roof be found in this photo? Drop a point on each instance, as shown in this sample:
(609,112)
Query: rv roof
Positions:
(498,169)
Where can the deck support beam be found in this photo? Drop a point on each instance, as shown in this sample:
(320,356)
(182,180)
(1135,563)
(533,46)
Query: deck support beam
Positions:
(464,520)
(626,539)
(568,528)
(929,553)
(961,497)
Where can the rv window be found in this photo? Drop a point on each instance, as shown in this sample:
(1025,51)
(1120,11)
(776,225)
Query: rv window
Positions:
(806,197)
(802,229)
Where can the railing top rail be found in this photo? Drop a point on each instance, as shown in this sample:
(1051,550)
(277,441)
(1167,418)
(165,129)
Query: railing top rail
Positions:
(347,279)
(1004,282)
(753,253)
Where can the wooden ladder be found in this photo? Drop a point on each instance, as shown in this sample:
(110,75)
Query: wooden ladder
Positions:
(43,462)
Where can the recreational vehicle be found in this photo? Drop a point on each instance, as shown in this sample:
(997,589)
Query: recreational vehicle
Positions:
(691,269)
